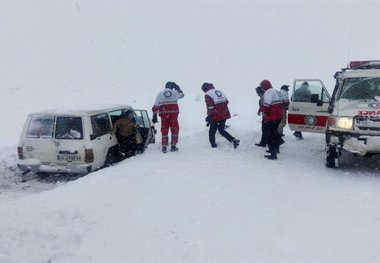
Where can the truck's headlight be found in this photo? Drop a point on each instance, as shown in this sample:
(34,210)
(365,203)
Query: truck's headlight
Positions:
(345,123)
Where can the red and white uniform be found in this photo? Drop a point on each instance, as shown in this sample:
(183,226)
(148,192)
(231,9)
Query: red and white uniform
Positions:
(271,105)
(216,104)
(285,98)
(166,105)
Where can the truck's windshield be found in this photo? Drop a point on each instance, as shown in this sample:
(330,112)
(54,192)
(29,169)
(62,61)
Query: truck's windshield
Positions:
(361,89)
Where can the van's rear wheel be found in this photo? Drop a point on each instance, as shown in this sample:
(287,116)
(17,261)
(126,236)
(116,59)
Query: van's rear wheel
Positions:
(331,156)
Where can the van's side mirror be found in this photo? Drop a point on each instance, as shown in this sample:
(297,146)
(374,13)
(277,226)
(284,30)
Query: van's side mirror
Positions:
(92,137)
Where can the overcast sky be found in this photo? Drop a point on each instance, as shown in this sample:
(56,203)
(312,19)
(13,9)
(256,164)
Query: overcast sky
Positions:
(140,44)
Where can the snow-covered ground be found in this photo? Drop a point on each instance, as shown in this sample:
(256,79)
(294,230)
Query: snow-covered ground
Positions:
(198,204)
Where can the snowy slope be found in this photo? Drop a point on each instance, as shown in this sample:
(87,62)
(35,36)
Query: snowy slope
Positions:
(198,204)
(202,205)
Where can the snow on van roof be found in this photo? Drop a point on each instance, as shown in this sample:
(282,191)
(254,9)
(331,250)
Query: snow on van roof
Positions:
(83,109)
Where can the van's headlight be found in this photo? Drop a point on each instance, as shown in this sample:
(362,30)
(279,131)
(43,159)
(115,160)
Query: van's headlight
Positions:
(346,123)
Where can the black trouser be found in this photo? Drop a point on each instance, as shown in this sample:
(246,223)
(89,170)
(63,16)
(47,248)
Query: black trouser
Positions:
(274,138)
(128,145)
(264,133)
(218,126)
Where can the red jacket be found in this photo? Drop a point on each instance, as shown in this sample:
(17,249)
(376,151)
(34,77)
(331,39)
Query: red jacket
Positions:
(216,104)
(271,106)
(167,103)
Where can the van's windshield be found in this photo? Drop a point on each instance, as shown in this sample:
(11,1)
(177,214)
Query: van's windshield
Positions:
(363,88)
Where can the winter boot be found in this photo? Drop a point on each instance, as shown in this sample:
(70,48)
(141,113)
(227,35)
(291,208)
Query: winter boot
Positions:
(214,145)
(164,149)
(277,150)
(272,156)
(236,143)
(261,144)
(298,135)
(173,148)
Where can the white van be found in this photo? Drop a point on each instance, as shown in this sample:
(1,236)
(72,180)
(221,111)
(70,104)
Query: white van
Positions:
(75,140)
(350,118)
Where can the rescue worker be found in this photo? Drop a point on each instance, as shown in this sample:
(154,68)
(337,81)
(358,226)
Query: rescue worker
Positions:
(166,106)
(285,106)
(264,135)
(217,114)
(272,111)
(126,129)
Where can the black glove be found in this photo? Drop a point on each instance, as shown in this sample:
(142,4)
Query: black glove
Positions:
(154,119)
(177,88)
(208,120)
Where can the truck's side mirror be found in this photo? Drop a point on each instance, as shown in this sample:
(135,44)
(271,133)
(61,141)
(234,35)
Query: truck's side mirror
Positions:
(330,108)
(314,98)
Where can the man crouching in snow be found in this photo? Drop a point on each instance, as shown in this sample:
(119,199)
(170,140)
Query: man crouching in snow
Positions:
(166,105)
(217,114)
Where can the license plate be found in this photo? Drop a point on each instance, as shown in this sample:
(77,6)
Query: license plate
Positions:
(69,157)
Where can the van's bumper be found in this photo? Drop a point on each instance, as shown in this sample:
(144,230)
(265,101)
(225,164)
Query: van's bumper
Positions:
(33,165)
(355,143)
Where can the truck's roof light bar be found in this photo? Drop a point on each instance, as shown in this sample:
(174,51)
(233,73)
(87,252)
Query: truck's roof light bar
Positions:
(366,64)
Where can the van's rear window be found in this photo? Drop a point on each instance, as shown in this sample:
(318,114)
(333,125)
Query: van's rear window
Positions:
(40,127)
(69,128)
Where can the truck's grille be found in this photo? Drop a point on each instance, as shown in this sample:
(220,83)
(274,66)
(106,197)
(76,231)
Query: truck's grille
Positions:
(368,123)
(368,129)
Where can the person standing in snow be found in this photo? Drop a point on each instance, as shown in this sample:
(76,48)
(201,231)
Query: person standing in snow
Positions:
(285,105)
(217,114)
(166,106)
(272,111)
(264,134)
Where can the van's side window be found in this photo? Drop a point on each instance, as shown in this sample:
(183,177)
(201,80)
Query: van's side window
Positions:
(40,127)
(142,118)
(69,128)
(100,124)
(115,115)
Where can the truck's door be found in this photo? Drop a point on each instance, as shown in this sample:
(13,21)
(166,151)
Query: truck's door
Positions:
(308,106)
